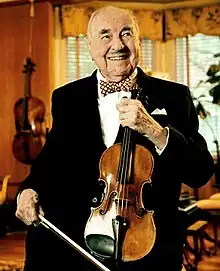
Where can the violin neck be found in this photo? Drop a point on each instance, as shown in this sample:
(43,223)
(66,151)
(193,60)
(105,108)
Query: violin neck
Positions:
(28,70)
(27,85)
(123,175)
(125,163)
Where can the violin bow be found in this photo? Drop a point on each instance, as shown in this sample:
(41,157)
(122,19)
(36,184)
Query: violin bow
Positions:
(47,224)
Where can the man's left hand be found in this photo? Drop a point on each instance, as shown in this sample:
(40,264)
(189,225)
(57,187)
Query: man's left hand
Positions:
(133,115)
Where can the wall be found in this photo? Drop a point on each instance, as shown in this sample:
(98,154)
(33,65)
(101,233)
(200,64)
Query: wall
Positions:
(14,38)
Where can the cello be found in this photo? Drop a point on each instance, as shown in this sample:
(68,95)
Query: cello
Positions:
(129,231)
(30,125)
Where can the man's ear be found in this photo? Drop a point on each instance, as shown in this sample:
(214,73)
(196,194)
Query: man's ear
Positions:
(139,42)
(139,49)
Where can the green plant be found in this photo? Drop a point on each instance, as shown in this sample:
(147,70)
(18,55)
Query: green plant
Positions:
(214,78)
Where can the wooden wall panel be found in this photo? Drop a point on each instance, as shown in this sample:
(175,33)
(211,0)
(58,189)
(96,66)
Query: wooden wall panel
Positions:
(14,37)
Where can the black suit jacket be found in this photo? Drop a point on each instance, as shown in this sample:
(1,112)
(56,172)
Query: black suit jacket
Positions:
(65,173)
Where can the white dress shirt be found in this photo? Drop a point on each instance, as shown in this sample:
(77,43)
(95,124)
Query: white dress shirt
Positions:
(108,112)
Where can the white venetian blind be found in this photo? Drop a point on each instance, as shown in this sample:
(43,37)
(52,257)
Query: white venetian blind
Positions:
(194,56)
(79,62)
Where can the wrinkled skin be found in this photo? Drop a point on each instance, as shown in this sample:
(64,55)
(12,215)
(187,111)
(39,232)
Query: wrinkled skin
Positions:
(27,209)
(133,114)
(114,43)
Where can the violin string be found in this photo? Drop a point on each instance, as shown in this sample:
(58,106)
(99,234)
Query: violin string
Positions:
(128,163)
(121,168)
(120,172)
(125,166)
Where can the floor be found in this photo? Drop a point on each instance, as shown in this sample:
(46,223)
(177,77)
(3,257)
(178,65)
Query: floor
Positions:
(12,250)
(12,254)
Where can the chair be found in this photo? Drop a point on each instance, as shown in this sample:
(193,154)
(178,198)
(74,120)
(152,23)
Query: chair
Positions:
(212,209)
(215,196)
(209,214)
(3,192)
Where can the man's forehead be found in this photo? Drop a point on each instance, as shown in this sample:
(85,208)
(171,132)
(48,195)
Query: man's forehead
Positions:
(111,20)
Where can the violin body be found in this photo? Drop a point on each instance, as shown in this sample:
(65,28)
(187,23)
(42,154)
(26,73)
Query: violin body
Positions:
(26,146)
(125,201)
(35,115)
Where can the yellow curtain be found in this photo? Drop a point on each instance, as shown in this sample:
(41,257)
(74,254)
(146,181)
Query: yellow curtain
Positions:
(150,24)
(155,25)
(183,22)
(74,20)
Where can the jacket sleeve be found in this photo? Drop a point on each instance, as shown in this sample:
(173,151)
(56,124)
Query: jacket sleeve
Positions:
(186,155)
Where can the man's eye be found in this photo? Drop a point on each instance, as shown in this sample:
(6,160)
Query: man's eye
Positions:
(105,37)
(126,34)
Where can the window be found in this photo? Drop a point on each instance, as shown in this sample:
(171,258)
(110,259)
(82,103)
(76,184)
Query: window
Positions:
(191,70)
(146,58)
(80,64)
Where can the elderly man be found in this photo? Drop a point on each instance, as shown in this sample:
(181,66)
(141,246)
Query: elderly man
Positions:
(89,116)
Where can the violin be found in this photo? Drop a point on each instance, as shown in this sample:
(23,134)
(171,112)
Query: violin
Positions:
(30,125)
(129,231)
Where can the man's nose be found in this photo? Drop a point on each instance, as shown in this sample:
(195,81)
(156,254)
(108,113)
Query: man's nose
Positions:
(117,44)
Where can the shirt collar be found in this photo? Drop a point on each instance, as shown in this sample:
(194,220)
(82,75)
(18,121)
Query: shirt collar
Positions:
(101,77)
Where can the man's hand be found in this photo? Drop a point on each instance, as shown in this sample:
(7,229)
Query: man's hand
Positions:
(133,114)
(27,208)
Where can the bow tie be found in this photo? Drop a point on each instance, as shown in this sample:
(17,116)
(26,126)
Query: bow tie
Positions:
(108,87)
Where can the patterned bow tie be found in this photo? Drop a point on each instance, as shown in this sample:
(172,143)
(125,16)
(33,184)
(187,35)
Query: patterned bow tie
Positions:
(111,87)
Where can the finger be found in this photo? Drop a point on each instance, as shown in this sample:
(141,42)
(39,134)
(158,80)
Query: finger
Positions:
(125,116)
(127,122)
(35,198)
(20,213)
(124,101)
(127,109)
(23,218)
(127,101)
(30,216)
(41,212)
(27,213)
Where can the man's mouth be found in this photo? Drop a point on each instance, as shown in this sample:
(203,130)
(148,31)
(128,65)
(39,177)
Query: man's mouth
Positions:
(115,58)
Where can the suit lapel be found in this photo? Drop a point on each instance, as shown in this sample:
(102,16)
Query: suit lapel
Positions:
(92,111)
(149,95)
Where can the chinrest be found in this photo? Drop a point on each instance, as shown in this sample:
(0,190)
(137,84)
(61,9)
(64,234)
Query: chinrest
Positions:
(101,245)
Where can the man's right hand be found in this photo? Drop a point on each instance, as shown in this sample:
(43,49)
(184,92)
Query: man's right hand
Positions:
(27,207)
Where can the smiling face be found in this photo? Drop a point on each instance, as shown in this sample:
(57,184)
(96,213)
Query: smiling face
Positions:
(114,43)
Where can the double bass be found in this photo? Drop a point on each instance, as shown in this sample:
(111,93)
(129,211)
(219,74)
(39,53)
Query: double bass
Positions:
(121,228)
(30,125)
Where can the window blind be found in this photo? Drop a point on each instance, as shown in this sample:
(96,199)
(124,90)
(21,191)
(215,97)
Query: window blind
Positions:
(194,56)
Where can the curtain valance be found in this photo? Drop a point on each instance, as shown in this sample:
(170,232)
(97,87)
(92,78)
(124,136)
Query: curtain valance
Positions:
(154,24)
